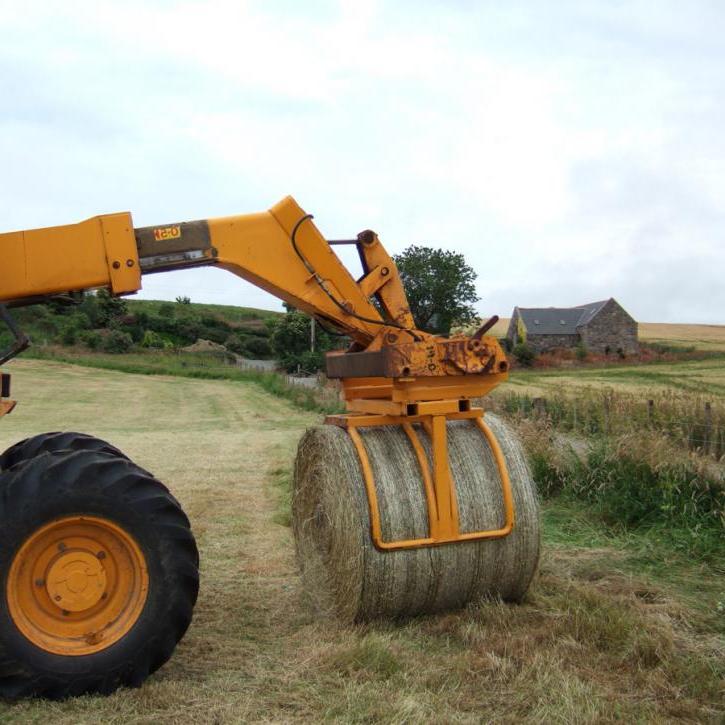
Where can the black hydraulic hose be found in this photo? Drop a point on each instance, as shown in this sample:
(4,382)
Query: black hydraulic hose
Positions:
(323,287)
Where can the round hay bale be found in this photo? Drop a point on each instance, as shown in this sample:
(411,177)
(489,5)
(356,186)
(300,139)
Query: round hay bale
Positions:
(345,576)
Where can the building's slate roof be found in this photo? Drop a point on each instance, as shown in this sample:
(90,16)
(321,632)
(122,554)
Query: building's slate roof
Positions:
(590,311)
(558,320)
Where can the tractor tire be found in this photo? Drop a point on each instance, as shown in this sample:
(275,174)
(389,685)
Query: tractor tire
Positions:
(99,574)
(55,441)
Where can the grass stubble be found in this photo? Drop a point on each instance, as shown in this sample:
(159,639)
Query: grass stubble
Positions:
(596,640)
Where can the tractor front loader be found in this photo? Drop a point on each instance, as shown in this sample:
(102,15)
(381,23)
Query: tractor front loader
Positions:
(98,564)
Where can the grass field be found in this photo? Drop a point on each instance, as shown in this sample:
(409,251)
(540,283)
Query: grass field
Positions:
(615,628)
(702,337)
(703,377)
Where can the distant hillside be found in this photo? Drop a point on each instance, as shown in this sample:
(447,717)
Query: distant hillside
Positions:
(99,322)
(229,313)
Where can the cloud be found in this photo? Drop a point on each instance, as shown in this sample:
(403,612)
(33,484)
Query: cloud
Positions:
(570,151)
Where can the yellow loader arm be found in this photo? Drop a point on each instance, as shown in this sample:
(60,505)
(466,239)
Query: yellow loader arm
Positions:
(282,252)
(393,374)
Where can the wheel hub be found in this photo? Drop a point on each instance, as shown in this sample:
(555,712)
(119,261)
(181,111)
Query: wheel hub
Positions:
(76,581)
(77,585)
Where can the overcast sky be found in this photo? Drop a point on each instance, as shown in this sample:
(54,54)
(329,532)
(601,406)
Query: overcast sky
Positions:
(572,151)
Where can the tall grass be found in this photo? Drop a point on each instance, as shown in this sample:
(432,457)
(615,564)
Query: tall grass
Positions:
(691,421)
(635,482)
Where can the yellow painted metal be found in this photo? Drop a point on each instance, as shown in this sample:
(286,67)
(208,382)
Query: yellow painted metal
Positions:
(6,406)
(257,247)
(121,253)
(76,580)
(439,488)
(372,282)
(40,262)
(382,278)
(77,585)
(412,390)
(389,407)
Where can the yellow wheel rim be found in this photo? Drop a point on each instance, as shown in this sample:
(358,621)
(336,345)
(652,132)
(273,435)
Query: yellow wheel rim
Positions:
(77,585)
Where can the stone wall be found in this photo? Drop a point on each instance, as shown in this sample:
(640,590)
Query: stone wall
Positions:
(542,343)
(611,331)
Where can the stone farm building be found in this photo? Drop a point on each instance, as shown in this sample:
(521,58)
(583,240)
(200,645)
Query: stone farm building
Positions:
(602,327)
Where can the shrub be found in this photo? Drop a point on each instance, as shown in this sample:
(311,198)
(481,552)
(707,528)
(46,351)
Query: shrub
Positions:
(633,482)
(109,308)
(236,343)
(90,308)
(152,339)
(258,347)
(188,330)
(183,300)
(524,354)
(581,352)
(117,342)
(290,342)
(90,338)
(309,362)
(72,326)
(69,334)
(166,310)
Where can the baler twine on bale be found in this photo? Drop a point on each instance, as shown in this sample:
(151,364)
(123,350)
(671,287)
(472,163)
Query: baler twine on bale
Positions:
(345,576)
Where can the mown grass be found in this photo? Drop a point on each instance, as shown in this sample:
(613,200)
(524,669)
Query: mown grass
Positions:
(195,365)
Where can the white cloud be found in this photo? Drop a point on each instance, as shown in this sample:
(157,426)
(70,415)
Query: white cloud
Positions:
(569,151)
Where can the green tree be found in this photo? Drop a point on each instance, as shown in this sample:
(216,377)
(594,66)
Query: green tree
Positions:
(110,309)
(440,286)
(524,354)
(72,326)
(290,342)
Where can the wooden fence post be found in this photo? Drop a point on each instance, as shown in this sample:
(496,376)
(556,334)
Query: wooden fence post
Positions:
(707,435)
(539,407)
(650,412)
